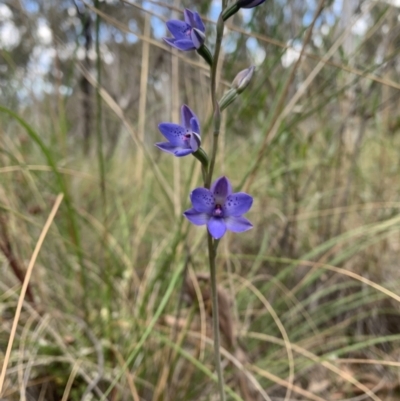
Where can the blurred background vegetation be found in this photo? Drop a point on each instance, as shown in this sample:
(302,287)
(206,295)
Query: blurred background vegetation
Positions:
(118,304)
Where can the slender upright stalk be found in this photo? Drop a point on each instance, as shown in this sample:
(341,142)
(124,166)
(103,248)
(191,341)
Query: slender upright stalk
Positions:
(99,111)
(212,243)
(212,253)
(102,173)
(217,113)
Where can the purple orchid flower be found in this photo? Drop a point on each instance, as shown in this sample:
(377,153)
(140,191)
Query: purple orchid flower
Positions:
(219,208)
(188,34)
(183,139)
(249,3)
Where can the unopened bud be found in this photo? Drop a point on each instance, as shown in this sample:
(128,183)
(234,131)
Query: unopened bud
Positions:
(249,3)
(228,12)
(243,79)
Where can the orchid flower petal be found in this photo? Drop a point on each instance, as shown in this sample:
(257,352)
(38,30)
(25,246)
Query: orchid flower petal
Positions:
(195,125)
(221,189)
(194,20)
(168,147)
(237,204)
(186,116)
(180,44)
(179,29)
(197,218)
(198,23)
(202,200)
(217,227)
(238,224)
(173,132)
(177,151)
(188,16)
(183,152)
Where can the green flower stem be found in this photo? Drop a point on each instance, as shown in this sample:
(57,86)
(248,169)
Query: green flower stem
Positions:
(212,253)
(204,173)
(217,124)
(102,173)
(212,243)
(206,54)
(201,155)
(217,113)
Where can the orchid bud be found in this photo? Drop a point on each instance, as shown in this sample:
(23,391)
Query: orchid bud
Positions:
(228,12)
(249,3)
(243,79)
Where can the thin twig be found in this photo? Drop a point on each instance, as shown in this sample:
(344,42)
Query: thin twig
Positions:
(25,287)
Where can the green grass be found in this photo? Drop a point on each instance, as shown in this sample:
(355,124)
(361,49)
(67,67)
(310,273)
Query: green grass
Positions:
(311,291)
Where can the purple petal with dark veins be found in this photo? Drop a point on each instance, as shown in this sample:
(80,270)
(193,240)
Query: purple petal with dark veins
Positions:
(199,219)
(174,133)
(202,200)
(237,204)
(180,44)
(177,151)
(184,44)
(238,224)
(183,152)
(221,188)
(217,227)
(186,116)
(195,125)
(188,16)
(168,147)
(179,29)
(194,20)
(198,22)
